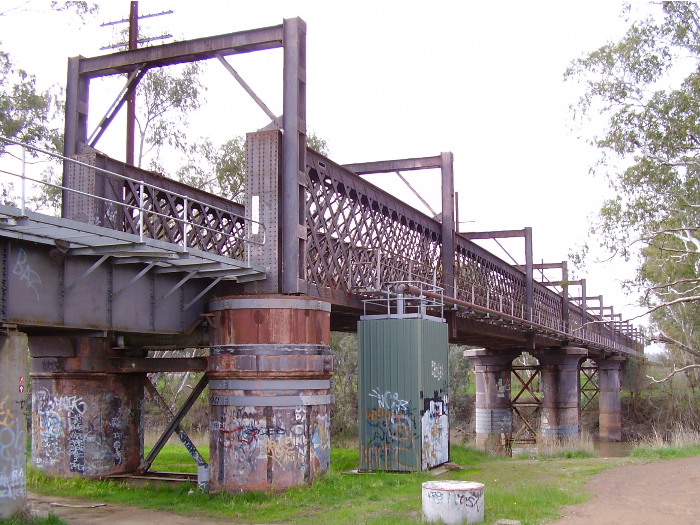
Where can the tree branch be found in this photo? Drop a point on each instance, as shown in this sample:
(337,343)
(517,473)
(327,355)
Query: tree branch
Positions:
(675,371)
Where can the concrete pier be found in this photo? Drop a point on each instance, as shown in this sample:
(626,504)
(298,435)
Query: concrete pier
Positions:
(494,414)
(13,422)
(609,387)
(560,393)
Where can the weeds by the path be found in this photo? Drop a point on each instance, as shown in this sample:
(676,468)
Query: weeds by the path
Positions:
(529,490)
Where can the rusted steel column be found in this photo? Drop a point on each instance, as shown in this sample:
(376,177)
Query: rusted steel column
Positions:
(85,421)
(559,420)
(269,379)
(13,423)
(609,386)
(494,413)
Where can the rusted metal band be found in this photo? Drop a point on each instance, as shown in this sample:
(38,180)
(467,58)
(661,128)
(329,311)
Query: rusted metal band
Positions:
(271,349)
(270,401)
(249,384)
(494,421)
(560,431)
(268,304)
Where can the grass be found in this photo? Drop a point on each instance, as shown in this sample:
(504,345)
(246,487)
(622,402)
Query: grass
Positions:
(682,443)
(528,490)
(25,519)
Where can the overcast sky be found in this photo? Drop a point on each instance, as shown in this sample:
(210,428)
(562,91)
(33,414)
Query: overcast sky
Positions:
(397,79)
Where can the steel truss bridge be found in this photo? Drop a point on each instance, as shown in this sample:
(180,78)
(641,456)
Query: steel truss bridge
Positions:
(137,253)
(136,261)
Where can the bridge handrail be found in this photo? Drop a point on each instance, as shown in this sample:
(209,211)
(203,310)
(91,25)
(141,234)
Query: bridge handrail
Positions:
(251,225)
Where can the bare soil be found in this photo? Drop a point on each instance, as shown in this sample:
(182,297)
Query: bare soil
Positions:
(91,512)
(663,492)
(655,493)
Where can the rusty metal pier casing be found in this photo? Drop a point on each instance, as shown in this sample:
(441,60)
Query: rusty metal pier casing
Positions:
(269,380)
(85,421)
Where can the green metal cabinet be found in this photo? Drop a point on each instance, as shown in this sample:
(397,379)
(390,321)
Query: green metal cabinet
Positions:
(403,398)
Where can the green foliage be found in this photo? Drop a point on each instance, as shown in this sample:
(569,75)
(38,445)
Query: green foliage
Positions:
(646,87)
(26,113)
(345,410)
(164,99)
(21,519)
(461,389)
(217,170)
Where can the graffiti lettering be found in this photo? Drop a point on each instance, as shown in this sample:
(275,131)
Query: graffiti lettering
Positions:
(25,272)
(437,370)
(389,400)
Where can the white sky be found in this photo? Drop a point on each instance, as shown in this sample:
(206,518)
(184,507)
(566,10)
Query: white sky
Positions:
(397,79)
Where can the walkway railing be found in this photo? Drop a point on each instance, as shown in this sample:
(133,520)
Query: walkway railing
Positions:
(146,209)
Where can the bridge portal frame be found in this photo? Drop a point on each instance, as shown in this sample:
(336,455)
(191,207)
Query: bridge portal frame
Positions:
(290,35)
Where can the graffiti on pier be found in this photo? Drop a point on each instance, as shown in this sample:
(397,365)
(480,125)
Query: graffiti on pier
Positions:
(84,435)
(254,439)
(13,439)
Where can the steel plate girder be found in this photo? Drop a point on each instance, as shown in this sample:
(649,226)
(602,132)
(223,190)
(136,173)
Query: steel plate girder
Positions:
(182,52)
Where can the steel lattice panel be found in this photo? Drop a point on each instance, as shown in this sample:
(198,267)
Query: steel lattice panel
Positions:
(355,230)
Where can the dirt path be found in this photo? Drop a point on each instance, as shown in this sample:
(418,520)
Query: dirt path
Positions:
(90,512)
(655,493)
(652,494)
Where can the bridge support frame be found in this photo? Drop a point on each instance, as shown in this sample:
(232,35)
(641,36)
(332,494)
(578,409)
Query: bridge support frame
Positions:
(269,379)
(494,414)
(609,386)
(560,393)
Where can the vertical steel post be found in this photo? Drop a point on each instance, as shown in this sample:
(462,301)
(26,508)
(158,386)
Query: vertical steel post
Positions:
(131,99)
(448,221)
(292,231)
(565,297)
(75,134)
(24,179)
(529,277)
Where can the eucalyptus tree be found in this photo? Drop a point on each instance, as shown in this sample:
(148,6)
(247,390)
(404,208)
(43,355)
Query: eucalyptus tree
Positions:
(646,89)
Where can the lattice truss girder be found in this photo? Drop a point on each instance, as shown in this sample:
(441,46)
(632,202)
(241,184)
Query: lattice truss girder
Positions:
(358,236)
(211,229)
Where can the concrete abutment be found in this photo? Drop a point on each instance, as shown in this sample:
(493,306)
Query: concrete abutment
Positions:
(13,422)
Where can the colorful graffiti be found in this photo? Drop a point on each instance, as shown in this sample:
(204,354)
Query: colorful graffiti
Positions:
(435,432)
(13,442)
(83,435)
(390,435)
(271,442)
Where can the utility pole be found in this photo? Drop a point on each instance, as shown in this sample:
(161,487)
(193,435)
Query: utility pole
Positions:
(131,100)
(131,44)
